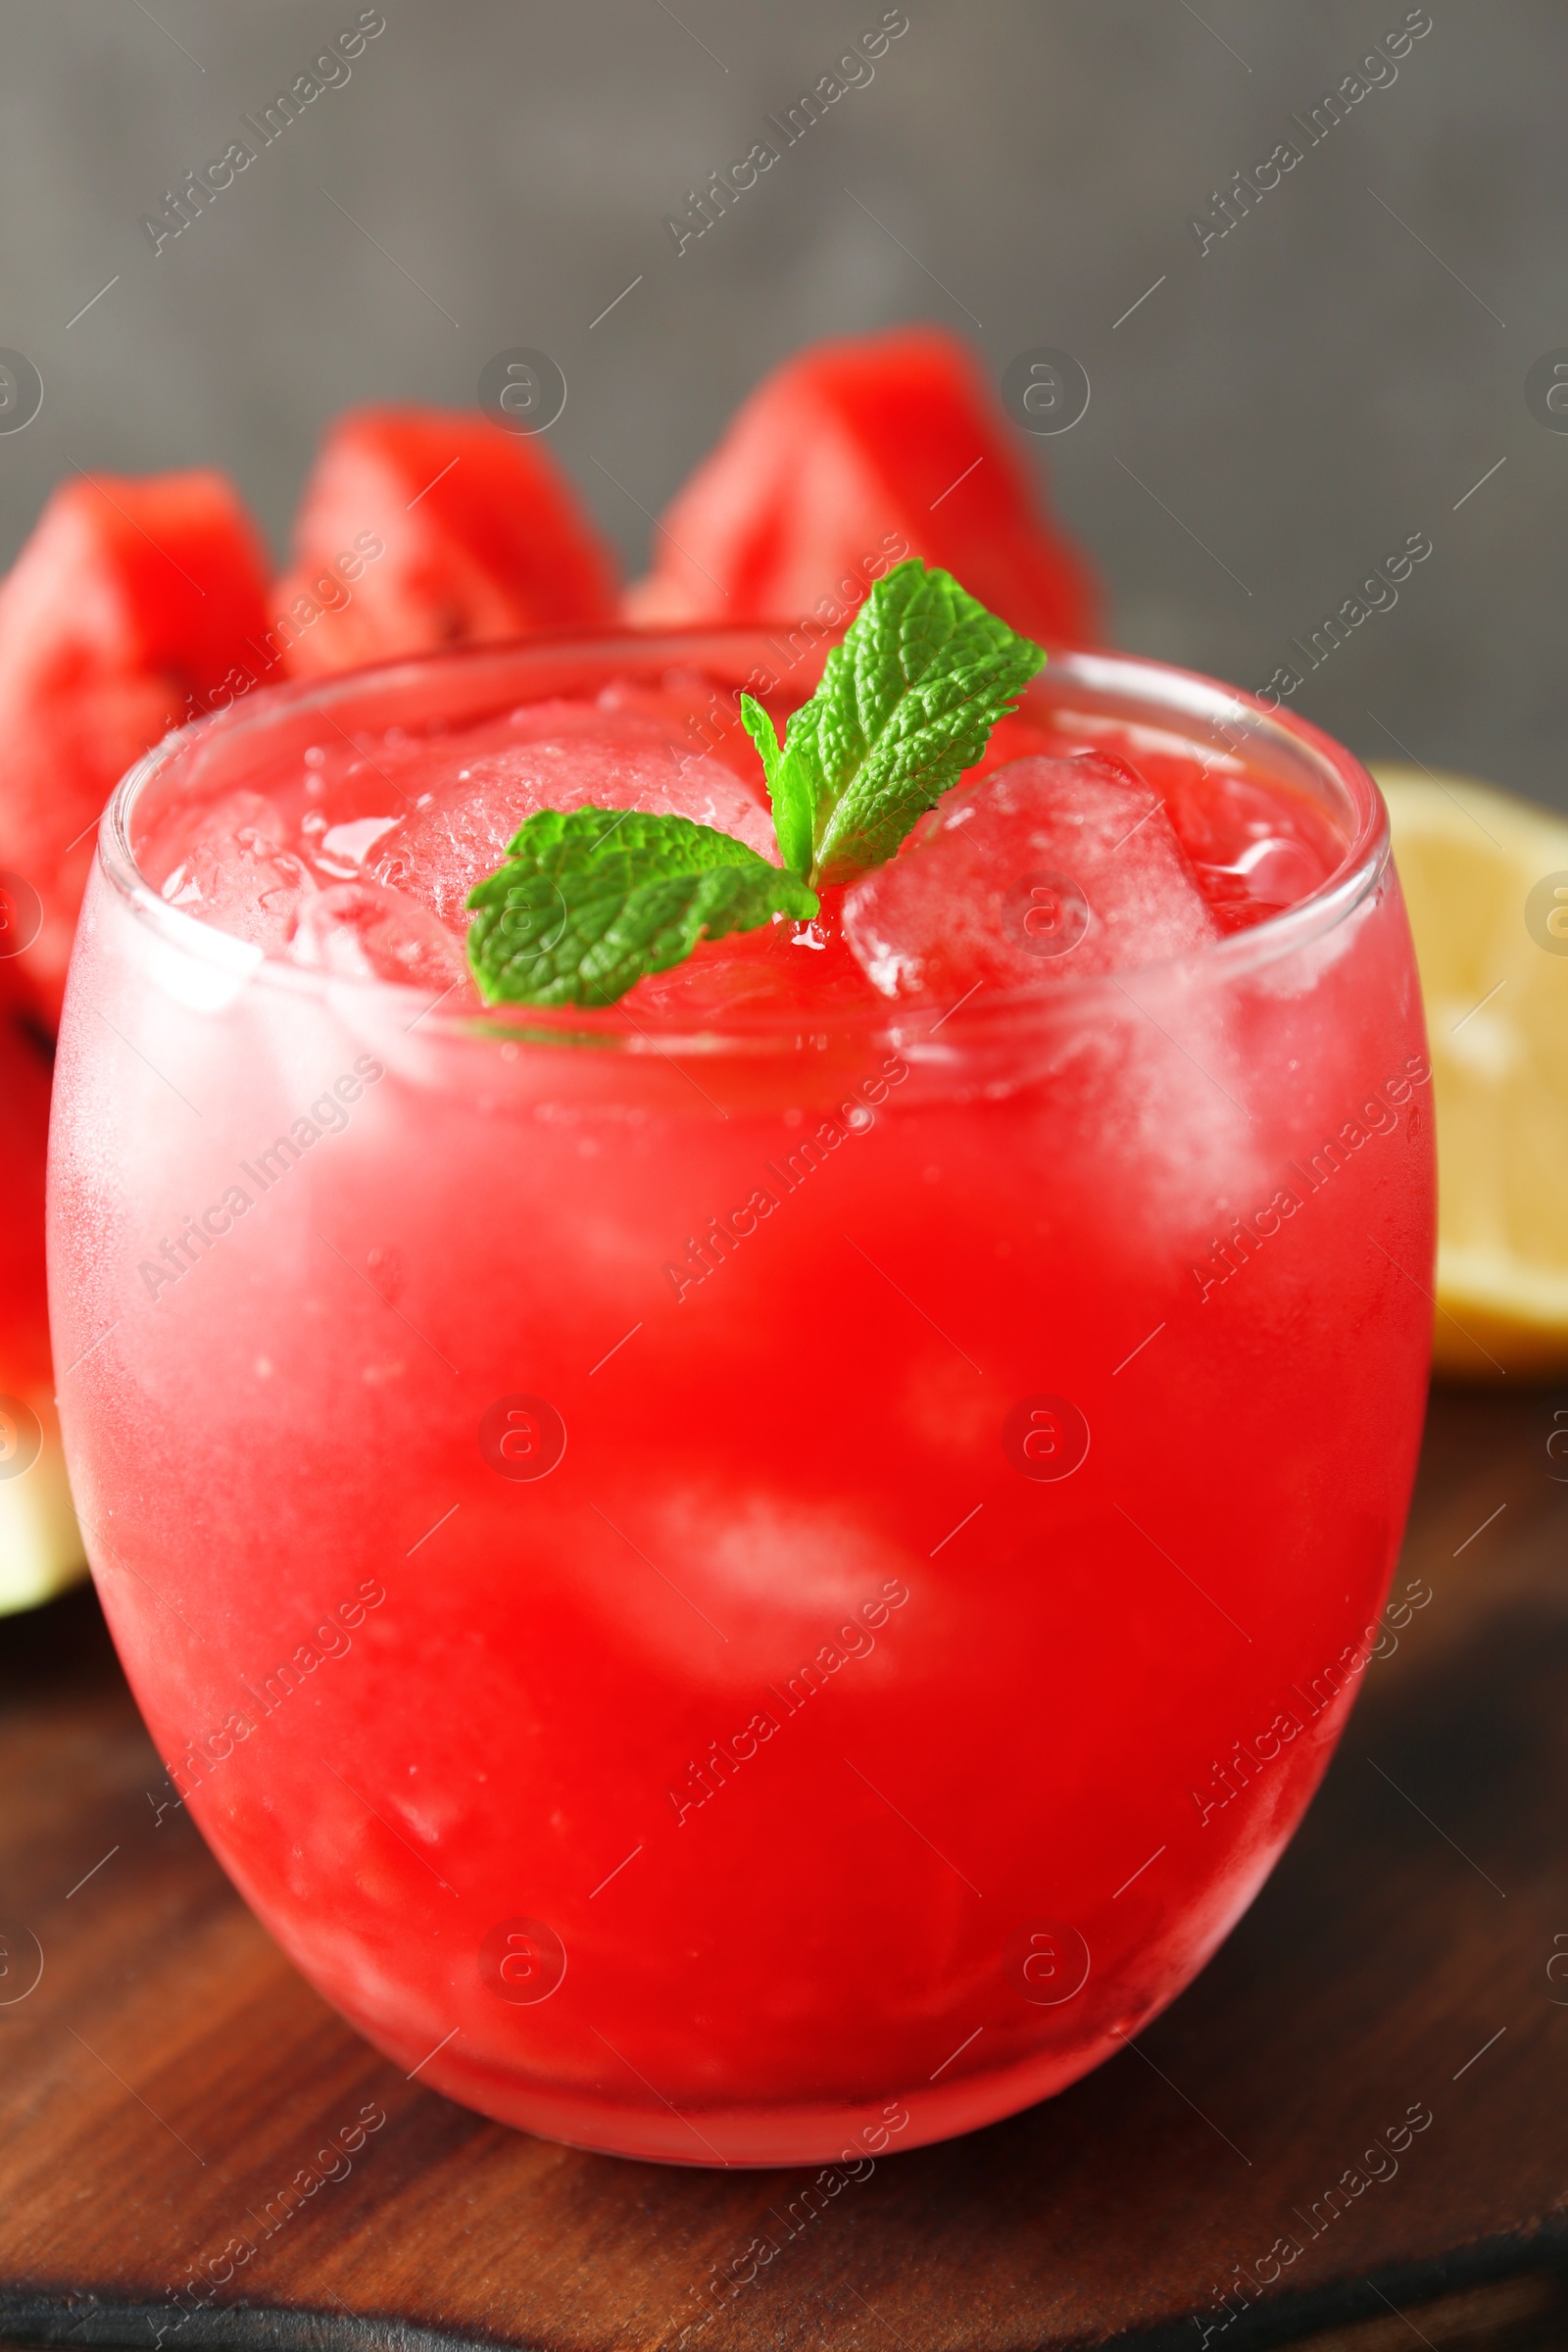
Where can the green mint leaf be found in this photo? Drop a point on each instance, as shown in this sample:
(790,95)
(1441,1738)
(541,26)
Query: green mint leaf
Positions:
(907,702)
(592,900)
(791,787)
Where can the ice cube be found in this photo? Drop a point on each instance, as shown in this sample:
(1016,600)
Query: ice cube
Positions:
(1045,869)
(1255,847)
(634,717)
(343,848)
(364,931)
(460,831)
(228,863)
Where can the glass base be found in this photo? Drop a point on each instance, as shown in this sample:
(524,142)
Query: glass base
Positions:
(846,2137)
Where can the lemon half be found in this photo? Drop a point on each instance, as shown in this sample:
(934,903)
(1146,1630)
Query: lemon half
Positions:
(1486,880)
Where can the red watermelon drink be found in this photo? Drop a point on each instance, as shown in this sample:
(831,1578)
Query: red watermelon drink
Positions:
(752,1559)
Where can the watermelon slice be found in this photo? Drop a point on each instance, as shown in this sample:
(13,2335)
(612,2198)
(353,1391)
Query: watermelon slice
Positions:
(40,1549)
(845,459)
(134,606)
(421,528)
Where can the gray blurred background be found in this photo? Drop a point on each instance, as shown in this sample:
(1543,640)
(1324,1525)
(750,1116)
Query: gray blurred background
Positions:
(1276,416)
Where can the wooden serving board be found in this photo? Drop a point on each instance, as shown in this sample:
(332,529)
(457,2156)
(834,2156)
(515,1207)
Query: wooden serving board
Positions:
(169,2076)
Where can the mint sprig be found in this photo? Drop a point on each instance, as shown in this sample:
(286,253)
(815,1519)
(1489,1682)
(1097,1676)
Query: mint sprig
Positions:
(590,900)
(907,702)
(792,788)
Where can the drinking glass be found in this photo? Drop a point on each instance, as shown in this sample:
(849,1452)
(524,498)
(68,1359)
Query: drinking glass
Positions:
(758,1592)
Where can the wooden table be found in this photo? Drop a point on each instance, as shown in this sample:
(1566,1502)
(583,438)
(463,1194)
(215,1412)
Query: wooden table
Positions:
(170,2073)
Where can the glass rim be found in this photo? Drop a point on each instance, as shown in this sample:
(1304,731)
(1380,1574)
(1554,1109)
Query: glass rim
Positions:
(1184,700)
